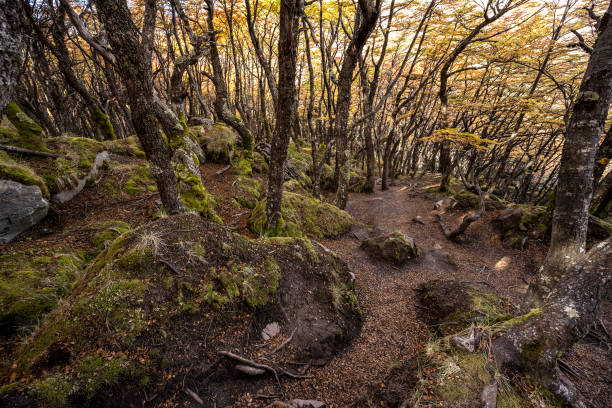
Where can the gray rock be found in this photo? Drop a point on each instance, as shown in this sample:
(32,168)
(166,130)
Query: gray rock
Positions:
(394,247)
(21,207)
(489,396)
(270,331)
(299,403)
(419,220)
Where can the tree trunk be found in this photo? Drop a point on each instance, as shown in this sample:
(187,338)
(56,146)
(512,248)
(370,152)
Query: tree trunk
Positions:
(134,65)
(365,20)
(575,186)
(290,11)
(11,49)
(568,314)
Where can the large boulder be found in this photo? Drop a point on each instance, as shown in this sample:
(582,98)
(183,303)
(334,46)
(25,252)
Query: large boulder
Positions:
(175,305)
(395,247)
(21,207)
(218,142)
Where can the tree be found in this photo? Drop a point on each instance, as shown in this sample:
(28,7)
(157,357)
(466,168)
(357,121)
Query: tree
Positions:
(290,11)
(133,58)
(365,20)
(570,285)
(11,49)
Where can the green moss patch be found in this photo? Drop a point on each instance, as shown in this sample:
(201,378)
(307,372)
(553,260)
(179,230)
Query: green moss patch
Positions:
(32,283)
(105,232)
(127,179)
(21,173)
(29,132)
(302,215)
(218,142)
(130,147)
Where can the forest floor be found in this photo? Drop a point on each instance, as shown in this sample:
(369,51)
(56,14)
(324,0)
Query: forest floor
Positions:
(391,331)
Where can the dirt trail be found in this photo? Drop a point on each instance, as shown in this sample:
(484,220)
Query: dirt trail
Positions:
(391,331)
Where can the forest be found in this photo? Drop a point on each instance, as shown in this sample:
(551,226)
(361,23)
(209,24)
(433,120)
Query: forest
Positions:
(305,203)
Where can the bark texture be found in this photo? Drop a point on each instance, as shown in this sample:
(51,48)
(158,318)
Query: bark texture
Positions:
(290,11)
(11,49)
(365,20)
(134,63)
(575,186)
(568,314)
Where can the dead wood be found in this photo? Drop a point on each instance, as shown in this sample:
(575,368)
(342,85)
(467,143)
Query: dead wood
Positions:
(467,220)
(28,151)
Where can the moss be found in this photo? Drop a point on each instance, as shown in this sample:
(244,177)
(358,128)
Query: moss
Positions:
(107,231)
(122,179)
(8,389)
(210,296)
(259,164)
(506,324)
(125,147)
(102,122)
(218,142)
(94,372)
(302,215)
(30,134)
(53,391)
(31,285)
(11,170)
(243,167)
(248,191)
(196,198)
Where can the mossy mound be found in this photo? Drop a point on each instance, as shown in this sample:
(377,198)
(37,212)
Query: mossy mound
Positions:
(127,179)
(302,215)
(218,142)
(451,306)
(300,159)
(357,183)
(394,247)
(32,283)
(179,290)
(129,147)
(248,191)
(516,225)
(21,173)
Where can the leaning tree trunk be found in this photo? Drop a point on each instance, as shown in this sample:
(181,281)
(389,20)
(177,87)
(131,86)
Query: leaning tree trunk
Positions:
(290,10)
(134,66)
(575,186)
(568,314)
(11,49)
(365,20)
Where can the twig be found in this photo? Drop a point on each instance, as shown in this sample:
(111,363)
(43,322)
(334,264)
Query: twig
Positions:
(284,343)
(169,265)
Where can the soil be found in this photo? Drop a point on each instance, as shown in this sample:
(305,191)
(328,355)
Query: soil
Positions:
(391,332)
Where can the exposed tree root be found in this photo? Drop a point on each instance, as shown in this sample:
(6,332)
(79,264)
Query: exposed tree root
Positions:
(467,220)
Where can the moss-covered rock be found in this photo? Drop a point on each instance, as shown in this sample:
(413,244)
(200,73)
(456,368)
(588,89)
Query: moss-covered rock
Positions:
(247,191)
(522,222)
(302,215)
(130,147)
(29,132)
(394,247)
(218,142)
(173,283)
(127,179)
(468,200)
(21,173)
(32,283)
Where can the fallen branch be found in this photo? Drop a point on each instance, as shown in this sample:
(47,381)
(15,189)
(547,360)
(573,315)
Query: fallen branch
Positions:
(170,266)
(28,151)
(467,220)
(259,365)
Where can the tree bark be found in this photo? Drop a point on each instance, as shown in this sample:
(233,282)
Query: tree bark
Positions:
(134,63)
(575,186)
(290,10)
(365,20)
(568,314)
(11,49)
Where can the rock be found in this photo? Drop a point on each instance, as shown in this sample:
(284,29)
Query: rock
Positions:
(468,342)
(445,204)
(270,331)
(518,224)
(489,396)
(394,247)
(199,121)
(439,259)
(21,207)
(299,403)
(419,220)
(67,195)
